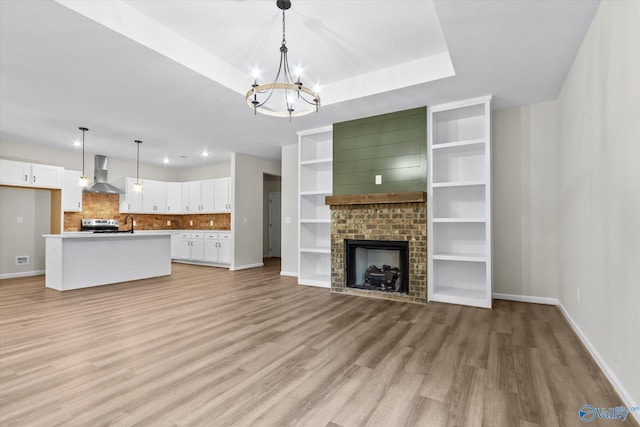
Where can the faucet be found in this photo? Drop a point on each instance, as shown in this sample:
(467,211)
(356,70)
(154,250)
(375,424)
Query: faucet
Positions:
(126,218)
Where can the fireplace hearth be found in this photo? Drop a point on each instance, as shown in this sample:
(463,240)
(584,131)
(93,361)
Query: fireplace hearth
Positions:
(377,265)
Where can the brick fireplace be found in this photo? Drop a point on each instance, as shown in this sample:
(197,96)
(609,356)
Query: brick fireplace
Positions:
(381,217)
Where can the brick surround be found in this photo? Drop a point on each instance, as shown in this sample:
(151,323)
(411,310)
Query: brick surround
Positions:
(381,221)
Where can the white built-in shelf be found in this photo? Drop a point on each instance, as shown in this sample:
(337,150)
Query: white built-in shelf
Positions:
(458,144)
(458,220)
(316,250)
(459,257)
(315,182)
(459,211)
(317,162)
(456,184)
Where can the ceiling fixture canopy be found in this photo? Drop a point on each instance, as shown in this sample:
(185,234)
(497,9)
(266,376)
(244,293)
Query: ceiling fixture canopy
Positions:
(290,97)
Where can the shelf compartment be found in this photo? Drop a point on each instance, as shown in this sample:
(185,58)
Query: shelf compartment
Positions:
(459,220)
(456,257)
(456,184)
(458,143)
(315,236)
(316,177)
(463,239)
(313,207)
(315,269)
(459,124)
(460,277)
(316,146)
(459,163)
(459,202)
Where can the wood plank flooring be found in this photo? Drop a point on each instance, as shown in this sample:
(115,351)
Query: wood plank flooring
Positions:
(210,347)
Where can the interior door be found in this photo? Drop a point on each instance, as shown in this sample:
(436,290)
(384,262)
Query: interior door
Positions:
(274,224)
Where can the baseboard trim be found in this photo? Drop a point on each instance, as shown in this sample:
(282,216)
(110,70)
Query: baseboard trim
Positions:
(526,298)
(613,379)
(21,274)
(246,267)
(289,273)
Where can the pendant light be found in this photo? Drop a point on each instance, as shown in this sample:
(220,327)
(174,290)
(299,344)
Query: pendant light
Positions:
(137,186)
(83,179)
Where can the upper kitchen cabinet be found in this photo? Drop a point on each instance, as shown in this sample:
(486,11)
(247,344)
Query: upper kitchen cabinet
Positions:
(154,196)
(130,200)
(72,191)
(30,175)
(207,197)
(174,197)
(222,195)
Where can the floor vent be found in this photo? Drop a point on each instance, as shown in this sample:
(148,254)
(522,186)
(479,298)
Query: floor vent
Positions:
(22,260)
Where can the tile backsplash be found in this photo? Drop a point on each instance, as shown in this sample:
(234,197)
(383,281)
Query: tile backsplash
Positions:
(108,206)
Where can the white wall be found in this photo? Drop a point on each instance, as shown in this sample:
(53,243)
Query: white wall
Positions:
(289,260)
(525,201)
(599,135)
(247,216)
(25,238)
(215,170)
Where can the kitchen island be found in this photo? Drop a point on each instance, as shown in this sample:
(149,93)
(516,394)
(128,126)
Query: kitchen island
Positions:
(84,259)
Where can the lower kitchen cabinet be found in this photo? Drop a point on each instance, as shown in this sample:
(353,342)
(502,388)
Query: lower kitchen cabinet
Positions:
(202,247)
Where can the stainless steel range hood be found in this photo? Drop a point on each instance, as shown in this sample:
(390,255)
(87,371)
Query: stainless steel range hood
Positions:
(100,184)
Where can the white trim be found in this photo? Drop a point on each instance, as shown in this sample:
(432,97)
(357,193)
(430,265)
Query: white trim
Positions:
(613,379)
(289,273)
(526,298)
(246,267)
(21,274)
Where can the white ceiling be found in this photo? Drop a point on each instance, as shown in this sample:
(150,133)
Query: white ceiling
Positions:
(173,73)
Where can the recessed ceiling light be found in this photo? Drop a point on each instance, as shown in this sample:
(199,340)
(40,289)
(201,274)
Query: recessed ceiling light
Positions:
(205,153)
(165,160)
(77,143)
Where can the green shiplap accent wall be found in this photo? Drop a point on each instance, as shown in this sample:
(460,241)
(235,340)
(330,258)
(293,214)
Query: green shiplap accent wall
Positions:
(392,145)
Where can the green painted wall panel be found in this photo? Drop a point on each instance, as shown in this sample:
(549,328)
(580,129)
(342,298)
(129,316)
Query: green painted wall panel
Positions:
(392,145)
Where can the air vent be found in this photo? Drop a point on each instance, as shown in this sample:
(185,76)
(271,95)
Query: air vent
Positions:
(22,260)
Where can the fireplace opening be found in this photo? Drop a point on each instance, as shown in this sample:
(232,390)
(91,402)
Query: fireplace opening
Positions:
(377,265)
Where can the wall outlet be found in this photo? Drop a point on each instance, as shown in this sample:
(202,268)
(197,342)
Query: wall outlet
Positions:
(211,223)
(169,222)
(19,220)
(134,222)
(191,223)
(22,260)
(245,220)
(578,294)
(378,179)
(287,220)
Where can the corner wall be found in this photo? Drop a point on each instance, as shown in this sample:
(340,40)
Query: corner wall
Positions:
(247,216)
(599,137)
(289,244)
(526,201)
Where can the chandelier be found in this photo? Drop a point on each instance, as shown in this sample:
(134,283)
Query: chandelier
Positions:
(290,97)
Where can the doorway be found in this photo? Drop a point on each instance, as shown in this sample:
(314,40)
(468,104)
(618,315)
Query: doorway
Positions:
(274,224)
(271,238)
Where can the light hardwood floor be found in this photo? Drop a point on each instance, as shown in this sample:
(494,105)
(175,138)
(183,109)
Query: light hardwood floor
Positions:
(216,348)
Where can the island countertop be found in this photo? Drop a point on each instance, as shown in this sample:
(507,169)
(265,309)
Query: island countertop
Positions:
(82,259)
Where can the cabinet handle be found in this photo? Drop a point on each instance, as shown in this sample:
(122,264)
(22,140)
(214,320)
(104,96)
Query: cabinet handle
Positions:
(26,178)
(34,178)
(78,204)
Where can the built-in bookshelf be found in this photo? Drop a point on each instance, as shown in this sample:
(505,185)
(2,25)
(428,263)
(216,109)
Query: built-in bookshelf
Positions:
(459,206)
(315,182)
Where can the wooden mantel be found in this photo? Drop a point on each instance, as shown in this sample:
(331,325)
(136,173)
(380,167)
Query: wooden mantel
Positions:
(368,199)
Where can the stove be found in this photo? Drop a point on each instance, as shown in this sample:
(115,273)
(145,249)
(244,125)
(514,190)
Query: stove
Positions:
(100,225)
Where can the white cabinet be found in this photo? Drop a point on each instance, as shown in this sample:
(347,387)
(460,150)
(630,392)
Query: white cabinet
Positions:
(217,247)
(72,191)
(30,175)
(130,200)
(207,196)
(315,163)
(193,196)
(174,197)
(154,196)
(222,195)
(189,246)
(459,210)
